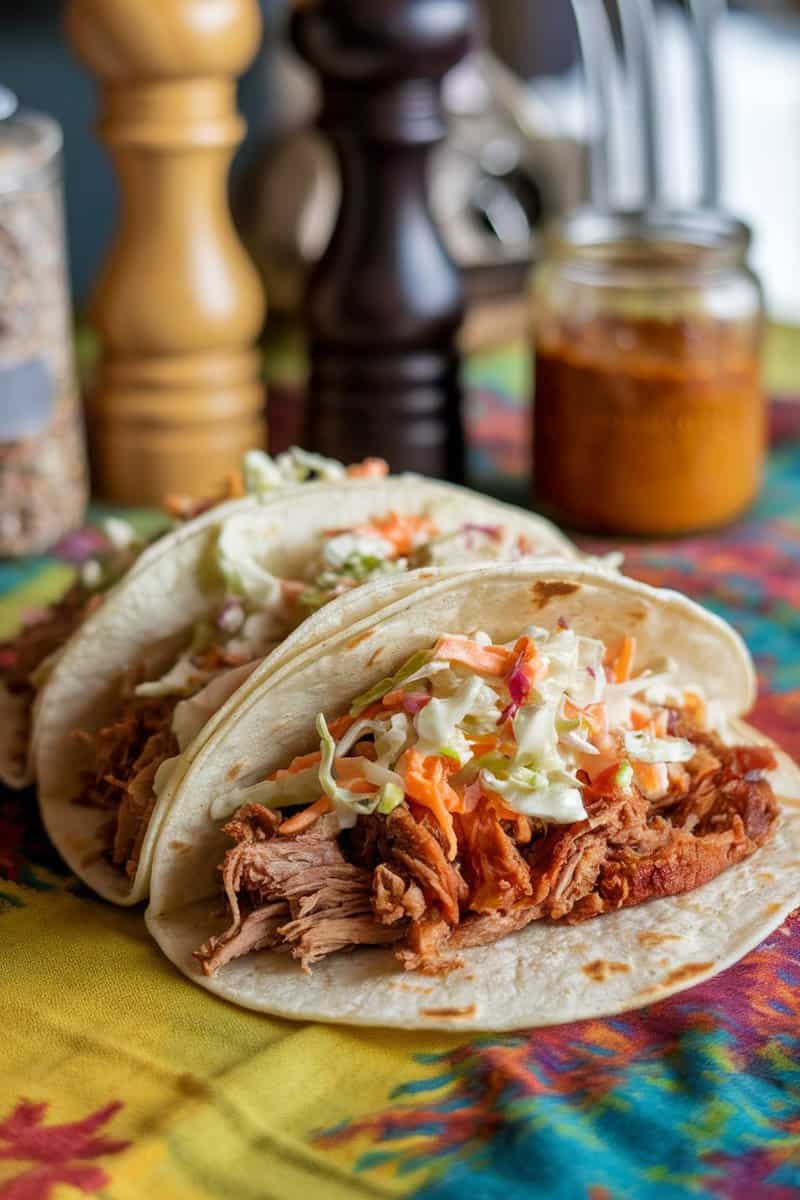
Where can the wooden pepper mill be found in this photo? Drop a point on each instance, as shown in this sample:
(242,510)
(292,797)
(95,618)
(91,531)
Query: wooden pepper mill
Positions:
(386,300)
(178,305)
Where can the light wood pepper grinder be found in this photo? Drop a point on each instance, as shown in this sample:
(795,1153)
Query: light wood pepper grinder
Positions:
(178,305)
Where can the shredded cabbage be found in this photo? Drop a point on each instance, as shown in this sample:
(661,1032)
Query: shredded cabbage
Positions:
(301,788)
(533,794)
(345,548)
(263,474)
(347,805)
(410,670)
(239,544)
(391,737)
(183,676)
(537,737)
(437,724)
(643,747)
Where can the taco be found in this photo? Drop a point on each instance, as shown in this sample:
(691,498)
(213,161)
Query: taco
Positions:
(520,796)
(221,604)
(27,659)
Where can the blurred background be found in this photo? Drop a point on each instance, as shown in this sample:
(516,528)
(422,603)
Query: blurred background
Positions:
(758,57)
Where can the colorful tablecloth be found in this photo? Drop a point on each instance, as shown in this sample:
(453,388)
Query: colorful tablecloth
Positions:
(117,1078)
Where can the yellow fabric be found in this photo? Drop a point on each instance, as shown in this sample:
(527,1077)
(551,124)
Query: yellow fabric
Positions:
(215,1101)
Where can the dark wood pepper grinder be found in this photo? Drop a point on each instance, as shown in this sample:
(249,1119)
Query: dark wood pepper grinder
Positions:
(386,300)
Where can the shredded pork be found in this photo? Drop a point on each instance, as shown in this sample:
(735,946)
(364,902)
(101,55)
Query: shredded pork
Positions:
(127,755)
(23,655)
(390,881)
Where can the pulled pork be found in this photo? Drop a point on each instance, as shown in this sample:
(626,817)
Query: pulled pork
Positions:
(299,893)
(23,655)
(389,879)
(127,755)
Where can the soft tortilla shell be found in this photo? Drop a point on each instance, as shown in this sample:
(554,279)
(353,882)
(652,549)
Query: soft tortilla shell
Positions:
(545,974)
(163,597)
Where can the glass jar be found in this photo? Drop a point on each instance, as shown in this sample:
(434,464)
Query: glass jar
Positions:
(649,412)
(43,474)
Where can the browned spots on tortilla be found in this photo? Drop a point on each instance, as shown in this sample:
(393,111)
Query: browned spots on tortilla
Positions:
(545,590)
(765,876)
(180,847)
(652,937)
(465,1010)
(234,772)
(375,656)
(789,801)
(361,637)
(687,971)
(634,616)
(771,909)
(599,970)
(647,996)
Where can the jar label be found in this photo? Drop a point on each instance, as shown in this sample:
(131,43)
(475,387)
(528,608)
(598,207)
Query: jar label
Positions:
(27,399)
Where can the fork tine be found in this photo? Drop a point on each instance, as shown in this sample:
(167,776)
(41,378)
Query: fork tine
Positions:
(639,33)
(705,17)
(599,62)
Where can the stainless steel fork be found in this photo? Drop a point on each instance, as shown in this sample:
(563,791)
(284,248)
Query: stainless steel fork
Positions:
(639,41)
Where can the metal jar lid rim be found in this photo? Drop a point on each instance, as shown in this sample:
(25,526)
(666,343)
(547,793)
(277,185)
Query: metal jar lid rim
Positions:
(589,229)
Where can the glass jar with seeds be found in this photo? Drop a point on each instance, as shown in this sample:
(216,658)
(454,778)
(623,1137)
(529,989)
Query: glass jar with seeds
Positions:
(43,473)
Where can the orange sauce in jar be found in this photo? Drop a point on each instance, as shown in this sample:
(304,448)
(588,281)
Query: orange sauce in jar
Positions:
(646,423)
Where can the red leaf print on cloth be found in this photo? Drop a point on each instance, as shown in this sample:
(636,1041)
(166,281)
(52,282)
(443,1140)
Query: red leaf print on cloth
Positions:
(56,1151)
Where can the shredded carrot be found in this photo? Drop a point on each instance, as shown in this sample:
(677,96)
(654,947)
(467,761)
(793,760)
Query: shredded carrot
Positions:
(504,812)
(340,725)
(178,506)
(394,699)
(302,821)
(652,778)
(350,771)
(486,660)
(623,663)
(639,719)
(525,649)
(234,485)
(370,468)
(660,723)
(292,588)
(426,783)
(595,715)
(297,765)
(696,707)
(403,533)
(487,744)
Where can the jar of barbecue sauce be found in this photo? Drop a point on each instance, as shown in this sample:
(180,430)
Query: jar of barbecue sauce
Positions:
(649,413)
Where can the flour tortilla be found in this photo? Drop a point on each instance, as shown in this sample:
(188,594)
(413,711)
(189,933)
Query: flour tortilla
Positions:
(159,602)
(545,974)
